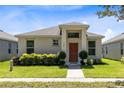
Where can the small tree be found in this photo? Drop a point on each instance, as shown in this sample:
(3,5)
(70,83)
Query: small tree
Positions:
(83,55)
(61,57)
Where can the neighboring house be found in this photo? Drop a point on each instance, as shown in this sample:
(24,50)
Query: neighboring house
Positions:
(71,38)
(8,46)
(114,48)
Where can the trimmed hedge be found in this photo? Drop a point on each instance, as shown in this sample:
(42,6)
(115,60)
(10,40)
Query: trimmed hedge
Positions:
(40,59)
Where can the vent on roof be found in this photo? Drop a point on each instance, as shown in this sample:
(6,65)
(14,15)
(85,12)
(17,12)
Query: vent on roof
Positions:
(1,30)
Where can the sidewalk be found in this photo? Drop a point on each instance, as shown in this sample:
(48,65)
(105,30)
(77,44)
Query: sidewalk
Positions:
(74,71)
(60,79)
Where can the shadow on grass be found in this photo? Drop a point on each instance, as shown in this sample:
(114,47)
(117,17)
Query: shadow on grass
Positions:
(63,66)
(92,66)
(87,67)
(101,63)
(4,61)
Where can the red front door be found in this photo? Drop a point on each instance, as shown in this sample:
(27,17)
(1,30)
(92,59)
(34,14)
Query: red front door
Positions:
(73,52)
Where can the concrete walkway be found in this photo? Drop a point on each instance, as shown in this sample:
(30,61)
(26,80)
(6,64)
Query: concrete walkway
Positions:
(60,79)
(74,71)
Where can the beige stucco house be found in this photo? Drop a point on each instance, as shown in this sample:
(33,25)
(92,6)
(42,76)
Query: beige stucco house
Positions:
(113,48)
(71,38)
(8,46)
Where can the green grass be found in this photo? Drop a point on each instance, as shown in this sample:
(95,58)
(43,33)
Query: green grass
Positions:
(111,69)
(60,84)
(32,71)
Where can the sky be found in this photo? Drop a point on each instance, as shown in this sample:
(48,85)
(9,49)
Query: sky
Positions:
(21,19)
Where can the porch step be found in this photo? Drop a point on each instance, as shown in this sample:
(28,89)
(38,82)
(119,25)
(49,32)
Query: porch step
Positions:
(73,64)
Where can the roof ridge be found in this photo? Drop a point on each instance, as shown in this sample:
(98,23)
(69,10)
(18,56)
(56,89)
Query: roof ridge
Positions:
(114,38)
(7,36)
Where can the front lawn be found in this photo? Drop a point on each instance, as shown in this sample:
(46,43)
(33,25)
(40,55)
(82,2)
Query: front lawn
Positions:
(61,84)
(111,69)
(32,71)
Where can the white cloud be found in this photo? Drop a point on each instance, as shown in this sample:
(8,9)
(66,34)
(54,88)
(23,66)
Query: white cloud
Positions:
(85,22)
(62,7)
(108,34)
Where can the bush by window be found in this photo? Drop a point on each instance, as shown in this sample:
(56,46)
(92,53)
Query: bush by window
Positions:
(38,59)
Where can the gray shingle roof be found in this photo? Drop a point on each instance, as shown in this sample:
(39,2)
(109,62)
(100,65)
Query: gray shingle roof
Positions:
(94,35)
(115,39)
(6,36)
(54,31)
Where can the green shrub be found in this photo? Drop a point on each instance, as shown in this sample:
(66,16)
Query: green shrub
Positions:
(38,59)
(61,55)
(27,59)
(83,55)
(90,62)
(16,61)
(95,61)
(122,59)
(61,62)
(50,59)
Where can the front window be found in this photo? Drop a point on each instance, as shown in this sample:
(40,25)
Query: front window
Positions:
(30,46)
(106,50)
(17,48)
(9,48)
(73,35)
(121,48)
(91,48)
(55,42)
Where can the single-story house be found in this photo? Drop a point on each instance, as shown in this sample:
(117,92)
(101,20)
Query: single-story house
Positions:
(8,46)
(113,48)
(70,37)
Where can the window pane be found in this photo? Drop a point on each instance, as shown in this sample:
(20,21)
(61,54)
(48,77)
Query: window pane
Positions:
(9,48)
(9,45)
(91,44)
(121,51)
(9,51)
(55,42)
(73,35)
(17,51)
(91,52)
(30,43)
(106,50)
(121,44)
(30,50)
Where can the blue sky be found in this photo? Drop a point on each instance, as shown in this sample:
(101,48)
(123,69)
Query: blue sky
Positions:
(20,19)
